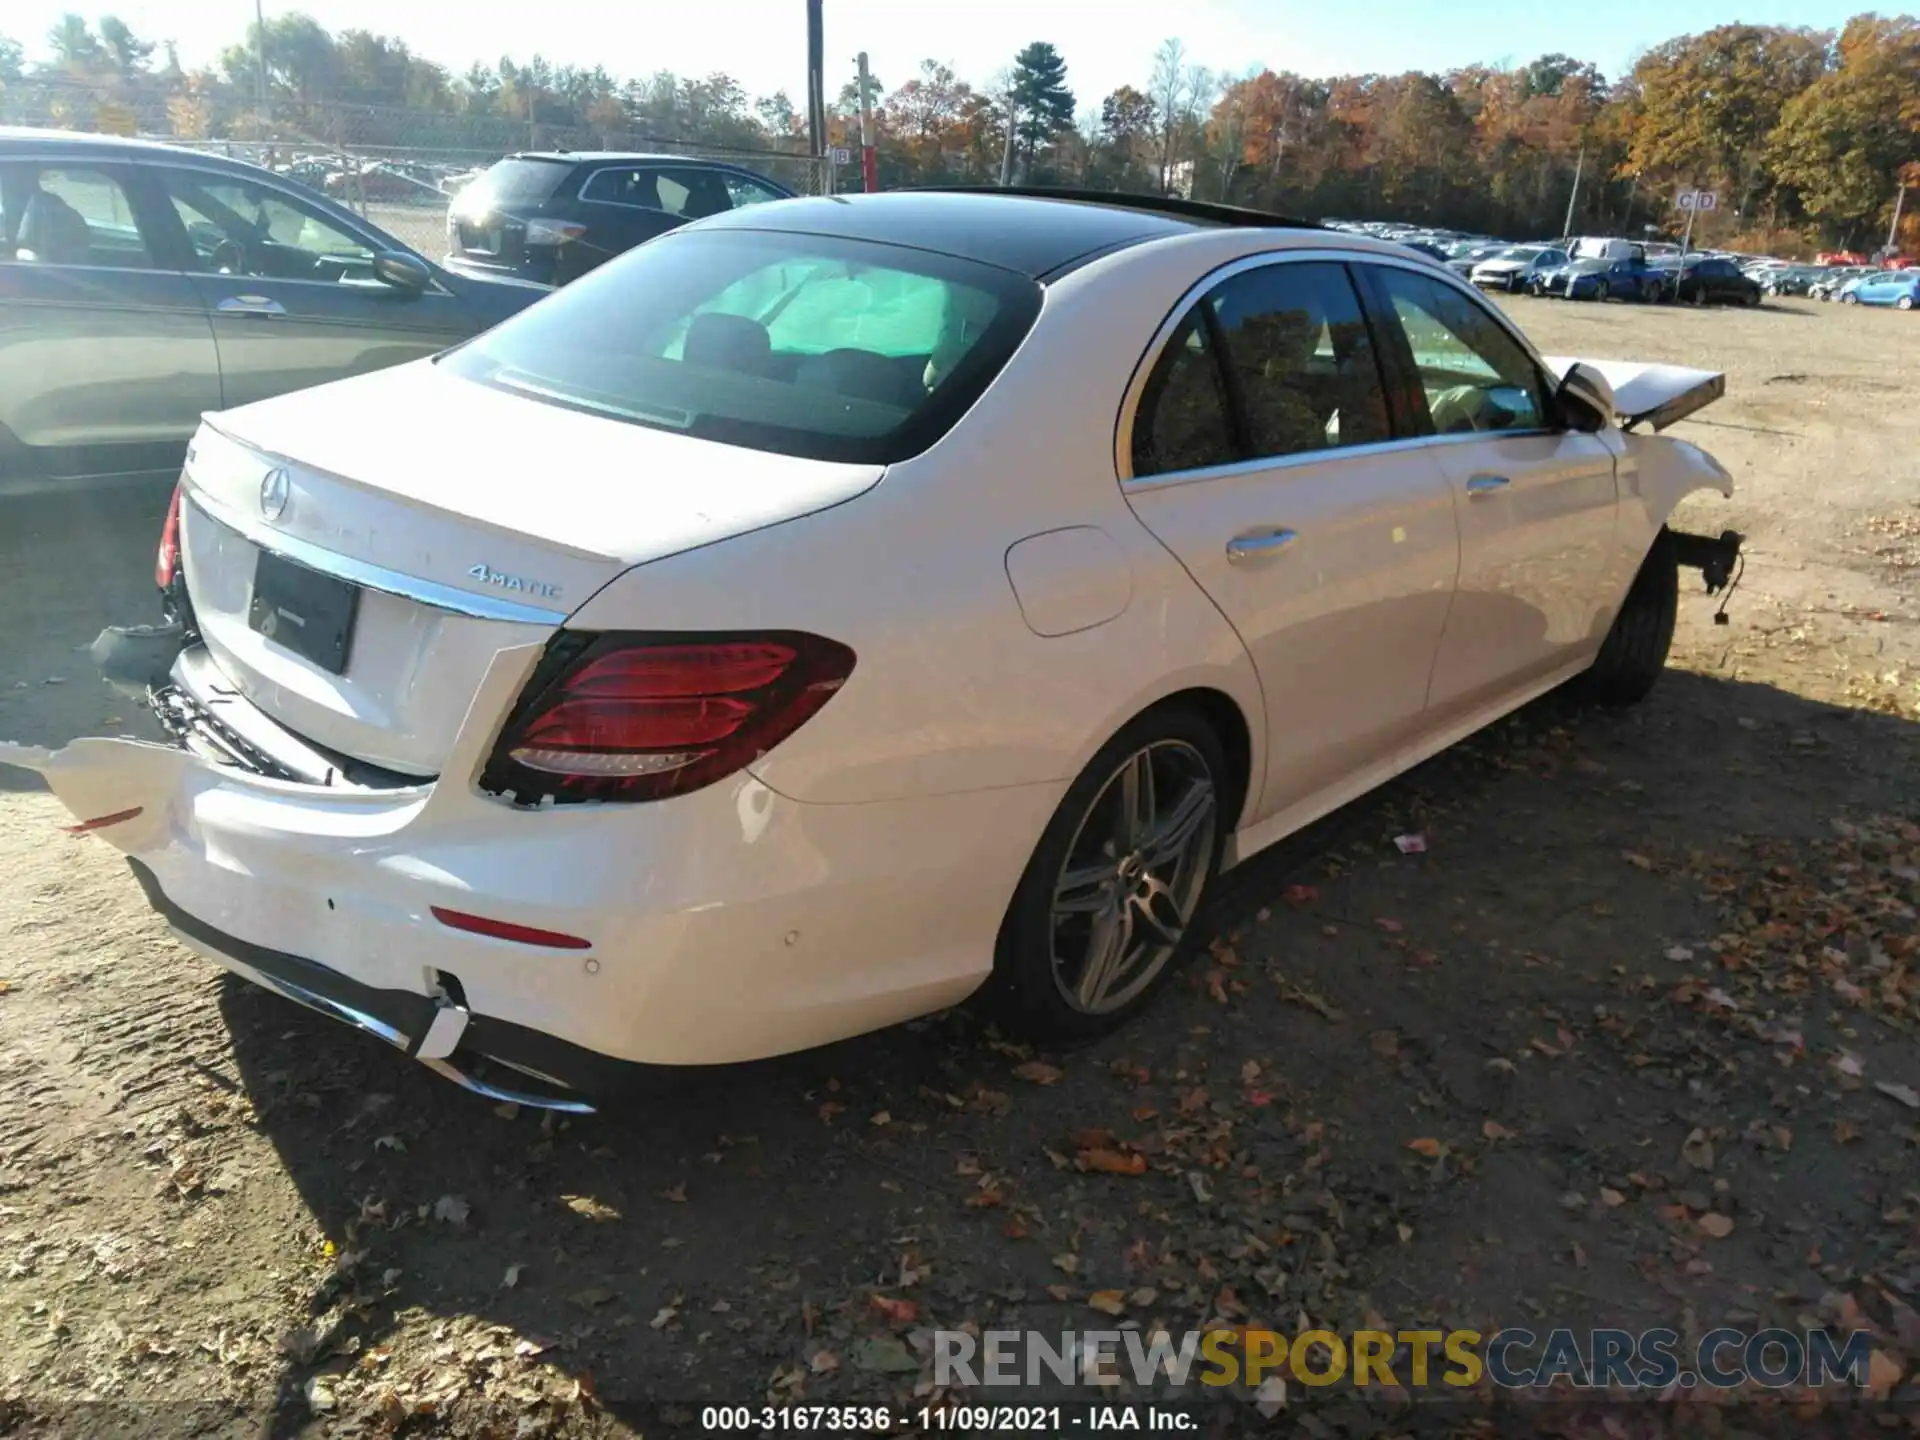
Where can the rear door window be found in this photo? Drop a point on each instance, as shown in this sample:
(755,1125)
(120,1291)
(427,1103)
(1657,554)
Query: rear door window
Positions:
(1300,358)
(802,344)
(69,215)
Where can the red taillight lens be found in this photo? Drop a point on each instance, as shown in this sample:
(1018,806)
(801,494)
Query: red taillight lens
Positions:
(635,718)
(167,562)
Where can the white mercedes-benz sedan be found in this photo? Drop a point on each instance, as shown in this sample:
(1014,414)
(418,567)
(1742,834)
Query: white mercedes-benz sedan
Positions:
(840,606)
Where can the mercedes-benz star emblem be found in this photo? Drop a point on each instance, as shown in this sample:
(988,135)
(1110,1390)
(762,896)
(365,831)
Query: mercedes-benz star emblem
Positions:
(276,488)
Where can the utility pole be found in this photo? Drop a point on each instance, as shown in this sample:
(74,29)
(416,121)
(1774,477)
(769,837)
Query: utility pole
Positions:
(260,55)
(869,161)
(1578,166)
(816,80)
(1899,203)
(1006,160)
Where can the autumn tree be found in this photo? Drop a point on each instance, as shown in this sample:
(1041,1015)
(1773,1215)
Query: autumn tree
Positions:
(1710,103)
(1843,142)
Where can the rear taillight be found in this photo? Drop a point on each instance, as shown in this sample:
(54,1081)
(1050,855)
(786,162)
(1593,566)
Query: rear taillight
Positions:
(632,717)
(553,232)
(167,562)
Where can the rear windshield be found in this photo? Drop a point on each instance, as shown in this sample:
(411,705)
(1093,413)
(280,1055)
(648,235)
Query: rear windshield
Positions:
(519,182)
(801,344)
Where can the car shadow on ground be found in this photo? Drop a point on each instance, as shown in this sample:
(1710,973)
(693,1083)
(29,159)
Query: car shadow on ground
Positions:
(1444,1086)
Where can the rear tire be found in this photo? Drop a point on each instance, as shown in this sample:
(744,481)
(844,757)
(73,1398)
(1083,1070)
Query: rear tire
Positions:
(1600,292)
(1905,302)
(1049,937)
(1635,650)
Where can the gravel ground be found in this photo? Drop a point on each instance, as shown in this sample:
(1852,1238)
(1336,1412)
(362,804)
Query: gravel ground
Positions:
(1631,1043)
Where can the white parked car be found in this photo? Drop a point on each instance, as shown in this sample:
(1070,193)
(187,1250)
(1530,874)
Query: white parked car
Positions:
(835,607)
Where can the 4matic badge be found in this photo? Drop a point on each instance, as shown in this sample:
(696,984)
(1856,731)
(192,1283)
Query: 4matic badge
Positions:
(487,575)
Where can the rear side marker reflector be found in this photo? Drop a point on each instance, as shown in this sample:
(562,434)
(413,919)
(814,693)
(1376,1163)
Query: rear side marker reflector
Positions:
(101,822)
(507,930)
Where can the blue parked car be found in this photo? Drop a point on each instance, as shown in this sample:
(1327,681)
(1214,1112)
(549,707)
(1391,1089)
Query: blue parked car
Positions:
(1604,279)
(1898,288)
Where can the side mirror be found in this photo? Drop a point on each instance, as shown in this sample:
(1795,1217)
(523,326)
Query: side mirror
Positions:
(402,271)
(1585,398)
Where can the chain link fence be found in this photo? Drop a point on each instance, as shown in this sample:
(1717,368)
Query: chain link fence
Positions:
(398,167)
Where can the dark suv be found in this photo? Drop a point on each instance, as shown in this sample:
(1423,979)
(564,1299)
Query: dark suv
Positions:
(552,217)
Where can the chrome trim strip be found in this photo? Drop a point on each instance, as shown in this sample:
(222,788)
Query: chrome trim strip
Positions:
(369,576)
(313,1000)
(380,1030)
(532,1099)
(1130,404)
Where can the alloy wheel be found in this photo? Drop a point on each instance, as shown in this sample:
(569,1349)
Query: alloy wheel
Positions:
(1133,876)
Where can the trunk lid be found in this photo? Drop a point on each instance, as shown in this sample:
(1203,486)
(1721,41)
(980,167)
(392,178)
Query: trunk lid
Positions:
(450,521)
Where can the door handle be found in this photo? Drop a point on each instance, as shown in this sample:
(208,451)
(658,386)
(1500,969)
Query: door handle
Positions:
(1486,485)
(257,306)
(1251,544)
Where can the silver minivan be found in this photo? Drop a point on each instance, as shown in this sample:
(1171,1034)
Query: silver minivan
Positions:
(142,285)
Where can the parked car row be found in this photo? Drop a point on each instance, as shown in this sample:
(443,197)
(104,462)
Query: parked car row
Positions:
(142,285)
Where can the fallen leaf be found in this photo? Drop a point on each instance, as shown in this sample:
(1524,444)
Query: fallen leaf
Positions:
(1494,1130)
(1611,1198)
(1068,1262)
(1637,860)
(390,1142)
(452,1208)
(880,1117)
(1112,1162)
(824,1362)
(898,1312)
(591,1297)
(1143,1297)
(886,1354)
(1299,895)
(1410,844)
(1108,1302)
(986,1199)
(1848,1063)
(676,1193)
(1696,1150)
(588,1208)
(512,1277)
(829,1109)
(1426,1145)
(664,1317)
(1905,1094)
(1038,1072)
(1716,1225)
(1392,927)
(1404,1231)
(1883,1373)
(1249,1072)
(1845,1132)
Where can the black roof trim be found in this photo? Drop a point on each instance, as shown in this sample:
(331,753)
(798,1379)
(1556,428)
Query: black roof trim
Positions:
(1174,205)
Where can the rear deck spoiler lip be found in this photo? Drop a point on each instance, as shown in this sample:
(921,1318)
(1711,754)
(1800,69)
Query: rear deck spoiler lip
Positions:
(1649,393)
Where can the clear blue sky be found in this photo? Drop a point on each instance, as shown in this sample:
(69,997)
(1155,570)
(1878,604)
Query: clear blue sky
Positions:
(762,43)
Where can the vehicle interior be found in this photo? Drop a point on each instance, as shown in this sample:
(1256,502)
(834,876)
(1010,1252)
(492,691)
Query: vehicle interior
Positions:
(42,220)
(238,230)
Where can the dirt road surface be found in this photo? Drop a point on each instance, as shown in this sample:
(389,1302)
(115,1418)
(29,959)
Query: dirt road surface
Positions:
(1632,1043)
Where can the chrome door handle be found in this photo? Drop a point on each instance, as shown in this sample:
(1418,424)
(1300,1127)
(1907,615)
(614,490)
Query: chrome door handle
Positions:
(258,306)
(1253,543)
(1486,485)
